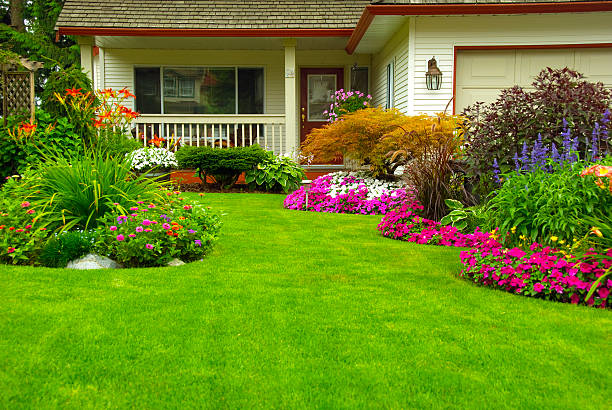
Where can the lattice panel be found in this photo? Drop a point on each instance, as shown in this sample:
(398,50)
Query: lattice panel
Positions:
(16,92)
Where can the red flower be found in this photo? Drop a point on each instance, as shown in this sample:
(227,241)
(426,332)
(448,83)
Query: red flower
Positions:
(105,116)
(73,92)
(27,127)
(108,93)
(10,249)
(126,93)
(98,123)
(12,228)
(169,233)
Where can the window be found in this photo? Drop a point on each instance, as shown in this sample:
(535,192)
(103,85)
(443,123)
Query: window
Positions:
(390,84)
(200,90)
(359,79)
(148,94)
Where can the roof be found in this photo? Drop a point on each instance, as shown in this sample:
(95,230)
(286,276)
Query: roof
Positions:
(212,14)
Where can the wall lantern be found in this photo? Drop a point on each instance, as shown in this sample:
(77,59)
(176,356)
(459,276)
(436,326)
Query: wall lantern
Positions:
(433,76)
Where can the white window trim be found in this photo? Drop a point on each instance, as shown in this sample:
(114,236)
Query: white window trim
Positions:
(390,91)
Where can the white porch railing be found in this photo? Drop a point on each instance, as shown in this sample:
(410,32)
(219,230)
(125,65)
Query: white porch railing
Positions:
(218,131)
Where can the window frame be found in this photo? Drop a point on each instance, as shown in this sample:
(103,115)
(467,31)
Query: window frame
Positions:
(236,67)
(390,89)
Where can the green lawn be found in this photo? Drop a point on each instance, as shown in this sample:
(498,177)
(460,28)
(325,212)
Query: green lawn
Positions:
(294,310)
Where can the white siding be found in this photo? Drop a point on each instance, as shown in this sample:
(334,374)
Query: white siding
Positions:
(396,51)
(437,36)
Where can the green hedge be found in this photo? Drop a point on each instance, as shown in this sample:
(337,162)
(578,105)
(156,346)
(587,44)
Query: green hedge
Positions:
(224,165)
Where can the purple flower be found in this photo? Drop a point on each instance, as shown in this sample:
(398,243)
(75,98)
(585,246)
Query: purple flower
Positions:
(191,231)
(198,242)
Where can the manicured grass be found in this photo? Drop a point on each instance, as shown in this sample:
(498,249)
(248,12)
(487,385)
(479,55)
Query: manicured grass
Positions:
(294,310)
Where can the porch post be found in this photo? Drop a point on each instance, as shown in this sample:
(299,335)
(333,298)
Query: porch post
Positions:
(291,110)
(86,45)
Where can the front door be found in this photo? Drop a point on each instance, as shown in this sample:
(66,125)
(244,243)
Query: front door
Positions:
(317,87)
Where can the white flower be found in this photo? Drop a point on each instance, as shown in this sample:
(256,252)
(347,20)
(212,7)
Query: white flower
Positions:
(151,157)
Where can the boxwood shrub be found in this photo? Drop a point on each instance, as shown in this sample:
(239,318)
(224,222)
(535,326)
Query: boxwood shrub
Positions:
(223,165)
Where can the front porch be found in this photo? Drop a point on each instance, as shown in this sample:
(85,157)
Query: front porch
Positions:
(224,92)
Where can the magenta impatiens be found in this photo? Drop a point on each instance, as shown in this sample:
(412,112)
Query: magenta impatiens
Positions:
(540,272)
(351,193)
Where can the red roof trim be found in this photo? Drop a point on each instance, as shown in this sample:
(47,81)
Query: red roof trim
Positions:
(464,9)
(173,32)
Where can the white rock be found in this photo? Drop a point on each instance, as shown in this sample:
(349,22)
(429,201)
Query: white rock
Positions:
(93,261)
(175,262)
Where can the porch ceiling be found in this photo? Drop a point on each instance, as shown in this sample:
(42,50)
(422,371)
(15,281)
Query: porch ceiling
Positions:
(219,43)
(379,32)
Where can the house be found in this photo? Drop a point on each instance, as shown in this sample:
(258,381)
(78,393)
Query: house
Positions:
(237,72)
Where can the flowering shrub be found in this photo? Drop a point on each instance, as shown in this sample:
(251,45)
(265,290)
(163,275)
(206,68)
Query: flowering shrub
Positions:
(144,159)
(540,272)
(22,235)
(345,102)
(404,224)
(352,192)
(154,234)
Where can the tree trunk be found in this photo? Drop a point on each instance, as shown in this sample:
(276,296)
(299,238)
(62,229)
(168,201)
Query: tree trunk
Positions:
(16,12)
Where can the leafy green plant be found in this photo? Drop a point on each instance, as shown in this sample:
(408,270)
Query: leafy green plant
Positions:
(465,219)
(57,83)
(275,174)
(224,166)
(65,247)
(76,193)
(548,207)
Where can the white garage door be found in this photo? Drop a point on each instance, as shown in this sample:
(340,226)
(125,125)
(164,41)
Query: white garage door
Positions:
(482,73)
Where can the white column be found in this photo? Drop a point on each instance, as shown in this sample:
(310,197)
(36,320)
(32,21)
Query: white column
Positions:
(291,106)
(411,64)
(86,45)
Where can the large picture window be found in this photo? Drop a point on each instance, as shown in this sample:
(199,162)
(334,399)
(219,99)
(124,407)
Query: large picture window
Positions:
(199,90)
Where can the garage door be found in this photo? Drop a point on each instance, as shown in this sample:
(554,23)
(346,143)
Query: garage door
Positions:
(481,74)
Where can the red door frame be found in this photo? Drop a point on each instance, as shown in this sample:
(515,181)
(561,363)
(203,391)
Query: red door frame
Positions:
(514,47)
(305,125)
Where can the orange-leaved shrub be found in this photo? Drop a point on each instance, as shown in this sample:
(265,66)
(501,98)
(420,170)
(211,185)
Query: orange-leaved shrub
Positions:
(368,136)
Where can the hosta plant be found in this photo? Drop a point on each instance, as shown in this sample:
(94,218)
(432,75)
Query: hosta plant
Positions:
(275,174)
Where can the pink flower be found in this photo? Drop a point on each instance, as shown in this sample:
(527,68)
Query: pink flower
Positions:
(10,249)
(132,235)
(146,222)
(149,246)
(538,287)
(166,226)
(151,206)
(187,207)
(139,229)
(134,208)
(575,298)
(113,228)
(120,237)
(30,211)
(603,293)
(25,204)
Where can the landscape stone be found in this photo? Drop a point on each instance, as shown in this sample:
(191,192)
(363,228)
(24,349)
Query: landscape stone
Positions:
(93,261)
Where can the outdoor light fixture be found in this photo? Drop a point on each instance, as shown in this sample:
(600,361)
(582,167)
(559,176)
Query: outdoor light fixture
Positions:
(433,76)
